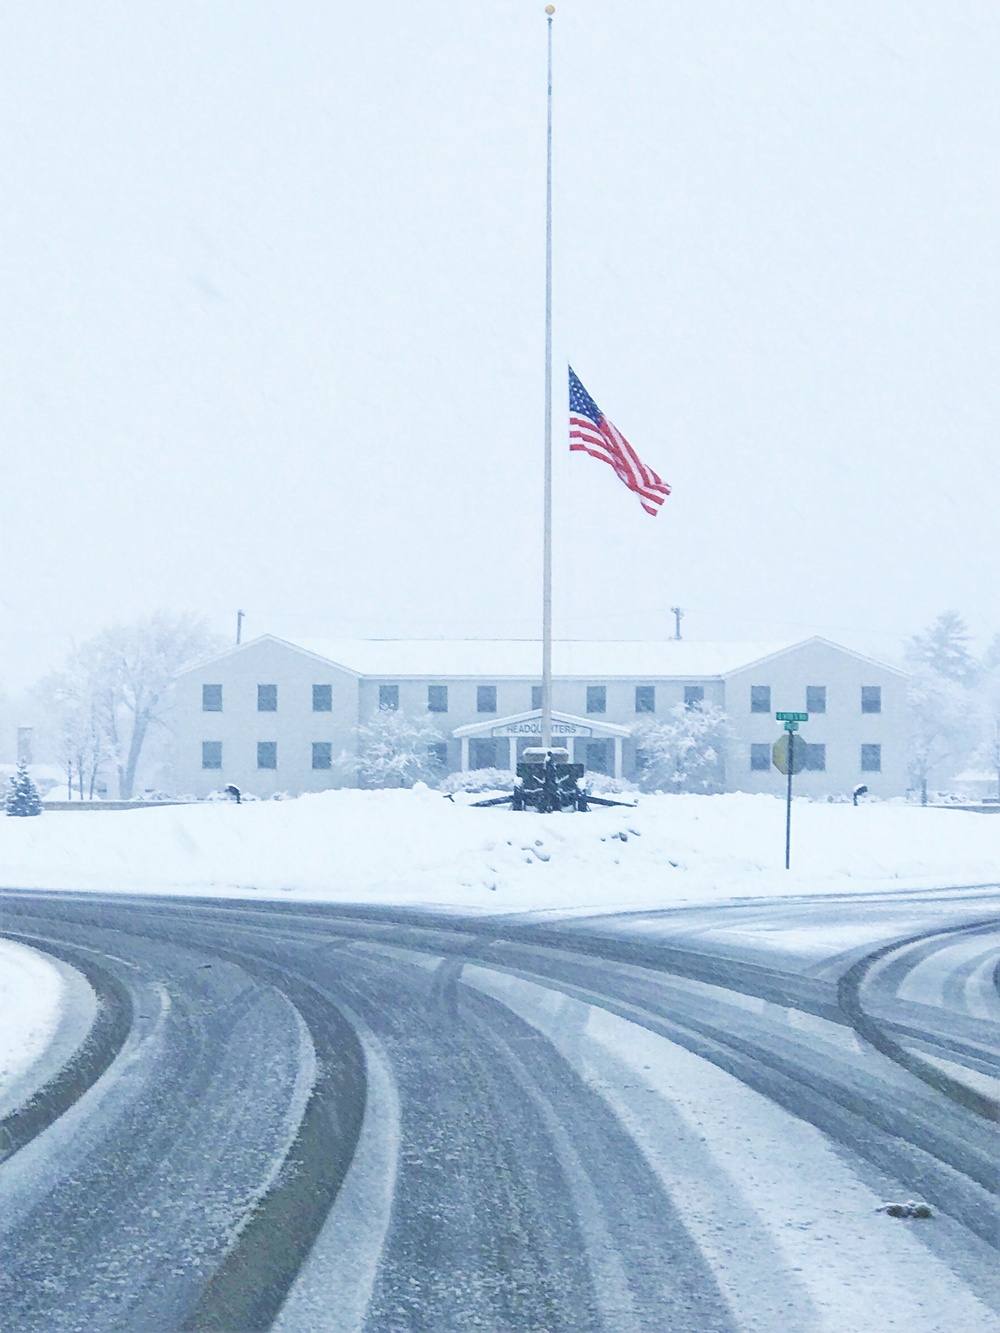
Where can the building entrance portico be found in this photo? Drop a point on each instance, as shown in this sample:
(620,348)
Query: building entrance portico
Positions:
(506,738)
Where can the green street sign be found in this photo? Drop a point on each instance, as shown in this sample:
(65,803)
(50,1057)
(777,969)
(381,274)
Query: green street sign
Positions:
(792,717)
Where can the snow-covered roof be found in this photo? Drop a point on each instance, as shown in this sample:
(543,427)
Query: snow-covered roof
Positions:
(592,659)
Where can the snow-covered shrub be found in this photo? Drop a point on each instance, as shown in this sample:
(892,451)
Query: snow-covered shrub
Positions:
(23,798)
(394,750)
(684,751)
(478,780)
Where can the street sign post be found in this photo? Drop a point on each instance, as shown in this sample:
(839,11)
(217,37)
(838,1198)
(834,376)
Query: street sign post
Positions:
(788,757)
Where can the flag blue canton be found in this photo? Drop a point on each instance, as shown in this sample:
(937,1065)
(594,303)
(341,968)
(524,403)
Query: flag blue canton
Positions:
(580,400)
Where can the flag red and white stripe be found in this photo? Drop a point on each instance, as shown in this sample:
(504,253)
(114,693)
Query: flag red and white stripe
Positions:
(590,432)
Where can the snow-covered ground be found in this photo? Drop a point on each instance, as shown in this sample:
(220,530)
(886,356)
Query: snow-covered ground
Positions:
(32,995)
(416,847)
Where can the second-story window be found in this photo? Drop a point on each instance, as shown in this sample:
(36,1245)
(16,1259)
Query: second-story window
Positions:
(267,698)
(871,698)
(693,695)
(815,698)
(486,698)
(760,698)
(597,698)
(322,698)
(211,698)
(645,698)
(437,698)
(536,696)
(388,696)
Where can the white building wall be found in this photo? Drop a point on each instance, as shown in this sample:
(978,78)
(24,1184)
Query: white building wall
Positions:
(294,726)
(843,728)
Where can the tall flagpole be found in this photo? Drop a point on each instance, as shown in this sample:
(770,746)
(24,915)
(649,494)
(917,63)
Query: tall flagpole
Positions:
(547,539)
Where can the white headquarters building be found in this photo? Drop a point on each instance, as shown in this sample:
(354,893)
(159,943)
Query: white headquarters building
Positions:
(271,715)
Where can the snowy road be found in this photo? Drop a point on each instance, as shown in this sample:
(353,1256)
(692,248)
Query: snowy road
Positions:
(309,1118)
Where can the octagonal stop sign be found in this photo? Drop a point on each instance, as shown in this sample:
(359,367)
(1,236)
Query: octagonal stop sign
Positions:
(789,753)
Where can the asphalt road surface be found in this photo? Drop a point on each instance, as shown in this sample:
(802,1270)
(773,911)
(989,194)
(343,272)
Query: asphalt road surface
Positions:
(309,1117)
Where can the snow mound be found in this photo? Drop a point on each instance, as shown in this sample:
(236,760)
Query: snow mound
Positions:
(418,847)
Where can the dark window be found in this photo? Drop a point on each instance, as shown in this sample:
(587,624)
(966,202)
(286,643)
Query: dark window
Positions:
(815,758)
(437,752)
(536,696)
(815,698)
(871,759)
(267,754)
(322,699)
(645,698)
(760,698)
(597,699)
(693,694)
(486,698)
(322,754)
(483,753)
(760,757)
(388,696)
(211,754)
(267,698)
(598,757)
(211,698)
(437,698)
(871,698)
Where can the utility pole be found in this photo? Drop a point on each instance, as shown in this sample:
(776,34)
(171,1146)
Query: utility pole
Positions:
(239,626)
(678,616)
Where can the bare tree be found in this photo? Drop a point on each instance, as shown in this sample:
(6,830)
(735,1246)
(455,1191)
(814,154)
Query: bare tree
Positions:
(939,727)
(136,665)
(989,723)
(73,728)
(115,688)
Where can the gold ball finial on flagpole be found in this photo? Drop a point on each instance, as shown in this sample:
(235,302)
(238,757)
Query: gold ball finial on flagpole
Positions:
(550,10)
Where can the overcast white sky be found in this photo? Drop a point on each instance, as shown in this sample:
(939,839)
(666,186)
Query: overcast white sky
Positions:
(272,280)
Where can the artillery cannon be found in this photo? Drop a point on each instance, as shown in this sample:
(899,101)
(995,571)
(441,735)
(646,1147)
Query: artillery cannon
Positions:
(547,781)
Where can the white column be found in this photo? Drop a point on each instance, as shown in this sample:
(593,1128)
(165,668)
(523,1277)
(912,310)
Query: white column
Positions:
(465,754)
(512,753)
(618,756)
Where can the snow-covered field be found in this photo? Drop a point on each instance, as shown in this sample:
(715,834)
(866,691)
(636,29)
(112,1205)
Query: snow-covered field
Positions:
(31,997)
(415,847)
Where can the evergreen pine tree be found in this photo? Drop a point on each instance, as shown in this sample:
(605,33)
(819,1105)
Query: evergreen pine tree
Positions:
(23,798)
(944,647)
(991,658)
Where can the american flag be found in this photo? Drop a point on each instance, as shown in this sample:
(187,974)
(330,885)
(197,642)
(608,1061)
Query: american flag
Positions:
(592,433)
